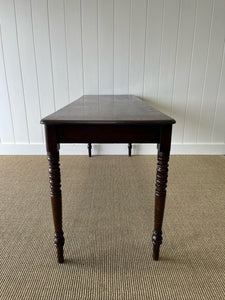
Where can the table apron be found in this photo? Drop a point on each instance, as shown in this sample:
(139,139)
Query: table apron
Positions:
(107,133)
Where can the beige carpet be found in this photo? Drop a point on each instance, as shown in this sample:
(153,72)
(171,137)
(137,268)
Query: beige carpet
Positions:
(108,206)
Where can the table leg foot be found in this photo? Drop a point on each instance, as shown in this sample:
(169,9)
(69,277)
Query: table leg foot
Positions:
(89,149)
(129,149)
(155,252)
(157,241)
(59,242)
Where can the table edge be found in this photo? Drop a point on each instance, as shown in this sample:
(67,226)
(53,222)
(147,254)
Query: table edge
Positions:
(108,122)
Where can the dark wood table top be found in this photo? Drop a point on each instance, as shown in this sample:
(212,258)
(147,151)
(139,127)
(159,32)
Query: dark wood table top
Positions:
(118,109)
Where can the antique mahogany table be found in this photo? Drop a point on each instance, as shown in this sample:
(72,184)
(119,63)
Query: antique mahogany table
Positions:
(108,119)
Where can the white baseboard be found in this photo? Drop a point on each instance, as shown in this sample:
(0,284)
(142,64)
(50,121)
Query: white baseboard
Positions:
(112,149)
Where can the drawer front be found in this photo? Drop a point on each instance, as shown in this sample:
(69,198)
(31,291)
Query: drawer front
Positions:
(107,133)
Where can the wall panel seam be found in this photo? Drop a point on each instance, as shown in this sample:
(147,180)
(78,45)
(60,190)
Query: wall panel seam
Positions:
(50,47)
(66,52)
(145,48)
(20,67)
(160,56)
(82,47)
(206,69)
(129,53)
(114,47)
(217,93)
(176,52)
(35,62)
(98,38)
(190,69)
(6,79)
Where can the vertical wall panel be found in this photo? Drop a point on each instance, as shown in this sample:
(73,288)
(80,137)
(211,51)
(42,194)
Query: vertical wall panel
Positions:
(6,124)
(198,67)
(122,46)
(137,46)
(106,39)
(153,47)
(183,65)
(168,54)
(59,53)
(43,56)
(218,131)
(13,70)
(74,49)
(212,72)
(28,68)
(90,45)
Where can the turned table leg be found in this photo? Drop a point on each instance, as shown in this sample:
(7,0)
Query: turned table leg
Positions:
(55,189)
(161,184)
(56,199)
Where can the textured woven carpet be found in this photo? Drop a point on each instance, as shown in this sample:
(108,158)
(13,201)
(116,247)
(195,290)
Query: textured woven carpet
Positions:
(108,206)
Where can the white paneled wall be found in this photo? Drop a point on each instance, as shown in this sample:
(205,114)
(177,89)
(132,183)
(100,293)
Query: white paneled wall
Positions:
(168,52)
